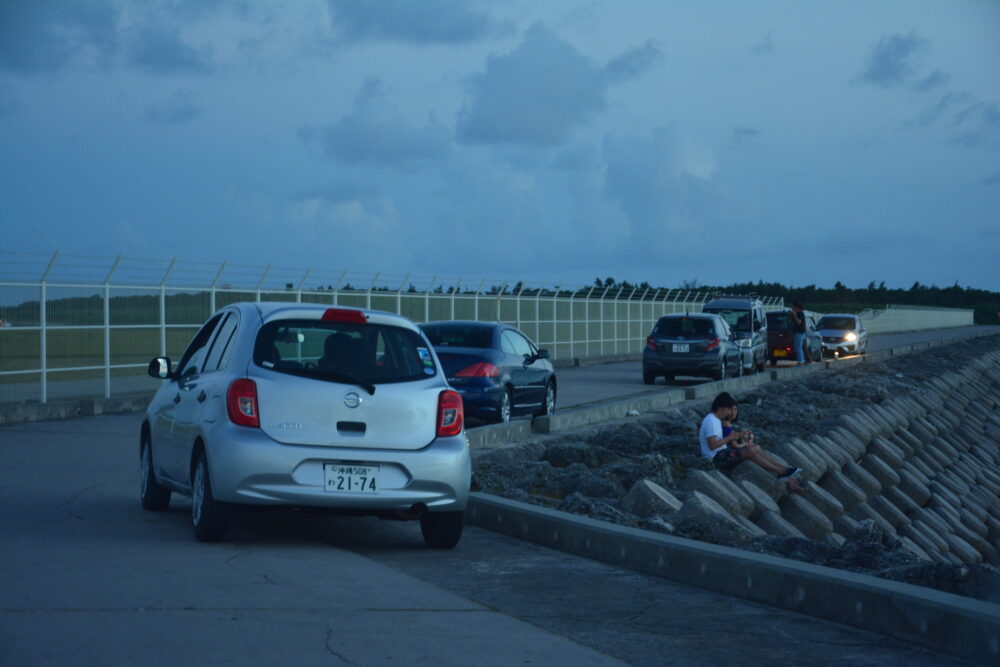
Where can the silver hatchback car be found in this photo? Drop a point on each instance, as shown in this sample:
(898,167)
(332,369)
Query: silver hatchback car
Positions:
(307,406)
(842,334)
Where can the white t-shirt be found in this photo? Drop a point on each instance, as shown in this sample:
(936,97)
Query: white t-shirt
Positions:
(710,425)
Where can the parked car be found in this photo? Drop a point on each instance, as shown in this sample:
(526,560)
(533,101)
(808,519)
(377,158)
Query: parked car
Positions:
(498,370)
(746,317)
(699,344)
(781,337)
(843,334)
(308,406)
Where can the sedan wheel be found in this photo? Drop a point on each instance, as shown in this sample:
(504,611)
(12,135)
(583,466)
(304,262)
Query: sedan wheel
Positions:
(209,516)
(442,530)
(550,400)
(503,414)
(152,494)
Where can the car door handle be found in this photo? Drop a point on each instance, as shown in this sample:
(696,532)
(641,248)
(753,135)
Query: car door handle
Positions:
(202,396)
(177,398)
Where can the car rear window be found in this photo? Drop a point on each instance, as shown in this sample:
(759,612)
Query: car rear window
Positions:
(842,323)
(737,319)
(779,321)
(319,349)
(450,335)
(684,326)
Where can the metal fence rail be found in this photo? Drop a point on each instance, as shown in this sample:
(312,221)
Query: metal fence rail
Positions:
(86,326)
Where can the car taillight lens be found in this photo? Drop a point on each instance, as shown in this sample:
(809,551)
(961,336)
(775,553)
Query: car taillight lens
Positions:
(451,414)
(651,343)
(241,403)
(344,315)
(712,344)
(483,369)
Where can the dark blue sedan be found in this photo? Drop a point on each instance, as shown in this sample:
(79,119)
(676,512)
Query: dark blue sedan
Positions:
(497,369)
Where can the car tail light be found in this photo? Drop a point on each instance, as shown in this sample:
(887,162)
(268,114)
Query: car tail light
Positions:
(712,344)
(483,369)
(651,343)
(344,315)
(241,403)
(451,414)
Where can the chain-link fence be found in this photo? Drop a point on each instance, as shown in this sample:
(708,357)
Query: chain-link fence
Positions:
(76,326)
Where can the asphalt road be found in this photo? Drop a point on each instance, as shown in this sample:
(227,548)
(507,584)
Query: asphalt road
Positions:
(88,577)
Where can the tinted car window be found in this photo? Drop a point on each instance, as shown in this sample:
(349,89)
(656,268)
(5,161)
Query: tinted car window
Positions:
(520,343)
(219,353)
(737,319)
(837,323)
(685,326)
(190,363)
(459,336)
(507,343)
(779,321)
(324,350)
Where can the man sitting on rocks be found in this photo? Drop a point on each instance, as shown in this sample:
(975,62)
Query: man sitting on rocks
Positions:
(728,450)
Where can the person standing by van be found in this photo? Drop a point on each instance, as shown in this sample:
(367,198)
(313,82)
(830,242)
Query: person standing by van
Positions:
(799,329)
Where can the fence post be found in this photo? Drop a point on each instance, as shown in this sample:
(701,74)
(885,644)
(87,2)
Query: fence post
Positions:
(107,327)
(454,290)
(427,300)
(399,295)
(476,316)
(260,283)
(211,292)
(298,292)
(43,347)
(163,305)
(368,299)
(336,289)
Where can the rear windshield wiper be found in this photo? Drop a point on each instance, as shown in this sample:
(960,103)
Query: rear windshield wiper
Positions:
(346,378)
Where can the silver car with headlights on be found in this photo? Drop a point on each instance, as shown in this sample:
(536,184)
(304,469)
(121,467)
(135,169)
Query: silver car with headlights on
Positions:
(842,334)
(303,405)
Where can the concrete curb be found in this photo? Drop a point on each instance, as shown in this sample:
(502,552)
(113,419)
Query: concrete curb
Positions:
(17,413)
(940,621)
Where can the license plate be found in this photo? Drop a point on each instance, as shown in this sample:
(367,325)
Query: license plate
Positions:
(780,353)
(681,347)
(350,478)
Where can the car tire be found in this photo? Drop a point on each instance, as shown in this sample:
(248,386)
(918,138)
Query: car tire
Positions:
(549,406)
(442,530)
(209,517)
(648,378)
(774,362)
(504,409)
(722,373)
(668,378)
(153,495)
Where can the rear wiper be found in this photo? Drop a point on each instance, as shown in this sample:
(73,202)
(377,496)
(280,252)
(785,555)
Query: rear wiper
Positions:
(347,379)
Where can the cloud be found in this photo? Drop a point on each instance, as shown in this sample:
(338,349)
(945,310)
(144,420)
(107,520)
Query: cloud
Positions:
(161,50)
(889,61)
(978,125)
(664,184)
(992,179)
(743,133)
(45,35)
(375,132)
(928,83)
(178,108)
(633,63)
(763,47)
(423,22)
(533,95)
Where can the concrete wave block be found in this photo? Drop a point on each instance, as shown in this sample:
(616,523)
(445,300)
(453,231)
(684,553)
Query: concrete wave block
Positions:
(993,528)
(845,525)
(805,516)
(963,470)
(903,446)
(858,428)
(647,498)
(973,522)
(837,453)
(962,549)
(942,446)
(935,519)
(818,453)
(774,524)
(915,444)
(824,501)
(761,500)
(911,547)
(744,501)
(912,468)
(849,442)
(941,495)
(864,511)
(838,485)
(954,484)
(835,540)
(702,482)
(812,469)
(903,502)
(921,466)
(920,431)
(891,513)
(748,525)
(915,534)
(863,479)
(712,517)
(934,457)
(884,420)
(932,534)
(886,451)
(751,472)
(925,424)
(880,470)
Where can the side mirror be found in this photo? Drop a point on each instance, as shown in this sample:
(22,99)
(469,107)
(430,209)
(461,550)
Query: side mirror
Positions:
(543,354)
(159,368)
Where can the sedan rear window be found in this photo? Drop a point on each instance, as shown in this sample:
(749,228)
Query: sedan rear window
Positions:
(684,326)
(842,323)
(450,335)
(370,353)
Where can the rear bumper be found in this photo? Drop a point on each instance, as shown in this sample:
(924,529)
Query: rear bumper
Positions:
(654,363)
(480,402)
(247,466)
(849,348)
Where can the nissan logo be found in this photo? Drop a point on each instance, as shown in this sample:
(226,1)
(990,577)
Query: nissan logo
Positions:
(352,400)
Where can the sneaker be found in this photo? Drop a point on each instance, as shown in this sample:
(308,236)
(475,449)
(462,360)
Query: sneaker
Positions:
(789,473)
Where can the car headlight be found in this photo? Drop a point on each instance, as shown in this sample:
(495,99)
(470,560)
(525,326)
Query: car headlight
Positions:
(851,337)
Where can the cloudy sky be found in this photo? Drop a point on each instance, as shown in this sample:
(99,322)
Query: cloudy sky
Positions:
(792,141)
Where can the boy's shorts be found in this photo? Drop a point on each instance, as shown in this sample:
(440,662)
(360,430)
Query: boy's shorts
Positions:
(727,458)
